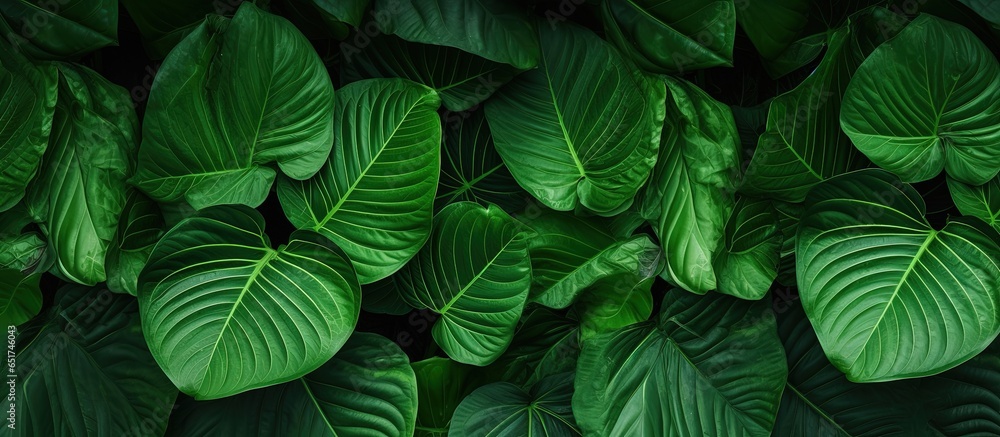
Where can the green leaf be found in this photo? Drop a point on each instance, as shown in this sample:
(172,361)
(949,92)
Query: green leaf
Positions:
(29,96)
(81,188)
(21,247)
(891,297)
(571,253)
(346,11)
(939,111)
(388,138)
(471,168)
(20,297)
(788,222)
(507,410)
(981,201)
(463,80)
(474,271)
(772,26)
(691,192)
(672,36)
(987,9)
(163,25)
(582,128)
(224,313)
(819,400)
(366,389)
(139,228)
(492,29)
(62,29)
(803,144)
(545,343)
(710,365)
(747,264)
(615,302)
(87,371)
(441,386)
(222,112)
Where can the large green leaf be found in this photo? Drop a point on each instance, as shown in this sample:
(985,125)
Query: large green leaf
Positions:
(222,112)
(819,400)
(387,153)
(615,302)
(463,80)
(367,389)
(581,129)
(571,253)
(81,188)
(673,36)
(691,193)
(29,98)
(940,109)
(20,297)
(891,297)
(506,410)
(21,246)
(224,313)
(60,29)
(87,371)
(471,168)
(164,24)
(981,201)
(474,271)
(803,143)
(383,297)
(492,29)
(545,343)
(711,365)
(747,263)
(772,26)
(139,228)
(441,386)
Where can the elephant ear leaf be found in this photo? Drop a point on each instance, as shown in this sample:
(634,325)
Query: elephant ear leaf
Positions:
(583,128)
(492,29)
(222,113)
(474,271)
(25,133)
(928,100)
(388,145)
(747,264)
(139,228)
(81,188)
(674,36)
(714,354)
(691,192)
(368,388)
(84,369)
(214,288)
(59,30)
(982,201)
(929,298)
(542,411)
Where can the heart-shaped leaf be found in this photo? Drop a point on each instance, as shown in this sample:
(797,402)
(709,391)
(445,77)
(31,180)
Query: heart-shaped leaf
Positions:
(387,153)
(889,296)
(224,313)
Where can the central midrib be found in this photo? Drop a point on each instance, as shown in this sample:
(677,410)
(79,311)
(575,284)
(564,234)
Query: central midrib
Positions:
(354,185)
(562,124)
(475,278)
(271,254)
(895,292)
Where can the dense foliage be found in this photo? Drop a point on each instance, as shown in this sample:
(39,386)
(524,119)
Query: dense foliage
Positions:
(498,217)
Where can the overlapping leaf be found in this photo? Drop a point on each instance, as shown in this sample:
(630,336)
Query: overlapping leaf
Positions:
(375,195)
(366,389)
(222,112)
(474,271)
(889,296)
(224,313)
(63,29)
(940,111)
(581,129)
(709,365)
(507,410)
